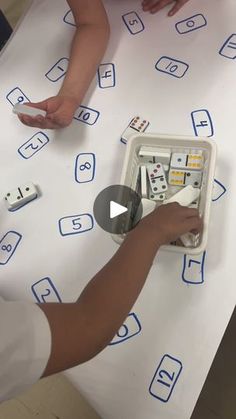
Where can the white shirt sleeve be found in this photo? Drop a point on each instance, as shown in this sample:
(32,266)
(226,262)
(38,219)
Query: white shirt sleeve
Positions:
(25,346)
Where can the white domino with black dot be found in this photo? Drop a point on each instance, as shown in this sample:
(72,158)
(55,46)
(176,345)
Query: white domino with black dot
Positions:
(157,179)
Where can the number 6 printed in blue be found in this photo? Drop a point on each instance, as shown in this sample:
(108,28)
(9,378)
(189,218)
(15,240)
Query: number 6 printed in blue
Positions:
(75,224)
(165,378)
(85,167)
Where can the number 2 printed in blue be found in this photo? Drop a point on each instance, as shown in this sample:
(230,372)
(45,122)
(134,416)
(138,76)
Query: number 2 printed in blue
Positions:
(202,123)
(130,328)
(133,23)
(75,224)
(45,291)
(85,167)
(165,378)
(229,48)
(17,96)
(194,269)
(191,24)
(87,115)
(33,145)
(172,67)
(106,75)
(8,245)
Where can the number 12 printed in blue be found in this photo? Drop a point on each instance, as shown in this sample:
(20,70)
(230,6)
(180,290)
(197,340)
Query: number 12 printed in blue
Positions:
(33,145)
(165,378)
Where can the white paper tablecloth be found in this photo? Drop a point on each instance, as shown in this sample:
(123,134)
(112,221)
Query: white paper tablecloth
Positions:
(184,309)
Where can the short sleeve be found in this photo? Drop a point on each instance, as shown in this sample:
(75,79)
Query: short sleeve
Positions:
(25,346)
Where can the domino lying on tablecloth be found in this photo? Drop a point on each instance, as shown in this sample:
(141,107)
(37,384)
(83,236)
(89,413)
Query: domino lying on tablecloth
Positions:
(165,169)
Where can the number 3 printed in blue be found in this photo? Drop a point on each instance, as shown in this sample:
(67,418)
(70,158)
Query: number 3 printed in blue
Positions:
(85,167)
(75,224)
(165,378)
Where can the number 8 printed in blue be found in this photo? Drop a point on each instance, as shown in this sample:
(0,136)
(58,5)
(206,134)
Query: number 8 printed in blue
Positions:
(85,167)
(165,378)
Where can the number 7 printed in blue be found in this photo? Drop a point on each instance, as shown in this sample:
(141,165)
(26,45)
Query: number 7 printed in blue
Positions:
(193,269)
(165,378)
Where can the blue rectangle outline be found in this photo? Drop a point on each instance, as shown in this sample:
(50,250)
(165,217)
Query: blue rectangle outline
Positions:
(36,151)
(209,118)
(78,232)
(114,76)
(123,17)
(202,270)
(166,72)
(90,109)
(54,81)
(19,239)
(184,20)
(177,376)
(94,167)
(226,42)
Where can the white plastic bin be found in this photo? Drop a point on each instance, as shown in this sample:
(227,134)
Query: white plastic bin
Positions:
(184,144)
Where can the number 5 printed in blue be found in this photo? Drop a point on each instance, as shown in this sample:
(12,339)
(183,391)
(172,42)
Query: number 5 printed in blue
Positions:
(85,167)
(165,378)
(133,23)
(193,269)
(75,224)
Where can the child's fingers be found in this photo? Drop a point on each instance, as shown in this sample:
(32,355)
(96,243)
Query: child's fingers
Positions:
(193,224)
(177,6)
(38,122)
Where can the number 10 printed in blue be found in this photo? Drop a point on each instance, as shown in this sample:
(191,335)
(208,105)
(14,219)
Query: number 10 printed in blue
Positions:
(165,378)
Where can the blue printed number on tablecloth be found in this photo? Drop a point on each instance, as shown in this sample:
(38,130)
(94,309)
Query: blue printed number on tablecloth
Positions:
(69,18)
(133,23)
(75,224)
(202,123)
(8,245)
(85,167)
(194,269)
(106,75)
(130,328)
(17,96)
(33,145)
(229,48)
(45,291)
(218,190)
(165,378)
(172,66)
(58,70)
(87,115)
(191,24)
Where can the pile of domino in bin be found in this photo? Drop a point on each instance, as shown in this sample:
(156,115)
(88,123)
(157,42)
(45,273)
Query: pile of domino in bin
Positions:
(167,176)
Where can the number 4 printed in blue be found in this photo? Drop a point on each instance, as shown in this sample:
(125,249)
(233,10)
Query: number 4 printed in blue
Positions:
(193,269)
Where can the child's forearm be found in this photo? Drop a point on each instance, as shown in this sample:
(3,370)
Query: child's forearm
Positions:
(80,331)
(88,47)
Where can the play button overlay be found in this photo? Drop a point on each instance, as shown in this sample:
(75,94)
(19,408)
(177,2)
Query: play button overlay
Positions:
(117,209)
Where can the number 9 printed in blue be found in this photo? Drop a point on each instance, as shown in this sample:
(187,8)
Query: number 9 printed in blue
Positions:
(202,123)
(16,96)
(85,167)
(133,23)
(75,224)
(8,245)
(165,378)
(193,269)
(130,328)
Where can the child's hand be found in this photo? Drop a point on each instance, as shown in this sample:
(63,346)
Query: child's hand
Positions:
(60,111)
(154,6)
(168,222)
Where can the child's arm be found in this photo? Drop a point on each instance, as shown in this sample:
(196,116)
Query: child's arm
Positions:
(154,6)
(88,47)
(81,330)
